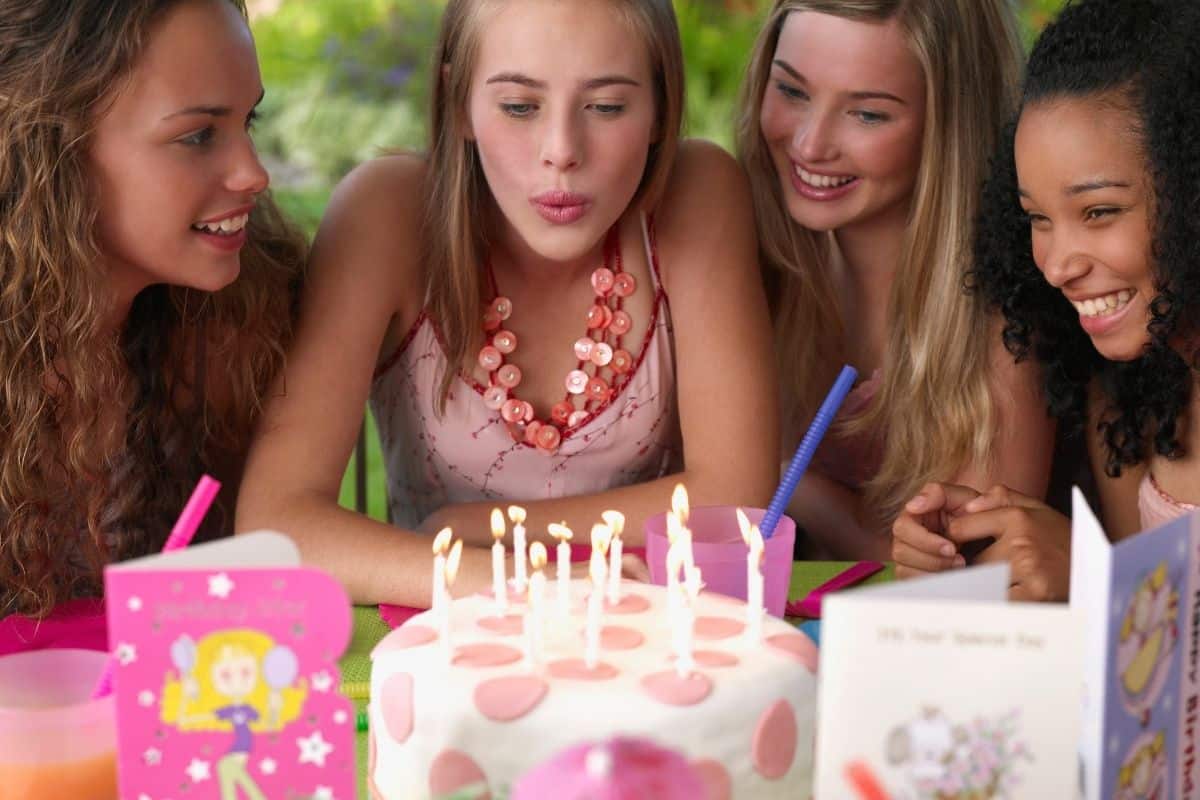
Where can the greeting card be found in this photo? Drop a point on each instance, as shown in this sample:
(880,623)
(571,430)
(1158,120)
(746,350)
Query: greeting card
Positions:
(226,678)
(1141,599)
(939,689)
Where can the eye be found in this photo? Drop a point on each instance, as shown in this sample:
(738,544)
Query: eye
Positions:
(1035,219)
(1098,213)
(198,138)
(607,109)
(871,117)
(790,92)
(518,109)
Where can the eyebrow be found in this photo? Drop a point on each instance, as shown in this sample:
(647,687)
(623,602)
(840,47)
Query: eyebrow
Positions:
(211,111)
(860,95)
(592,83)
(1087,186)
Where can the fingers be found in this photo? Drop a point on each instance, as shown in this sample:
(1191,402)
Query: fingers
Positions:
(910,558)
(634,568)
(940,497)
(999,522)
(1000,496)
(916,548)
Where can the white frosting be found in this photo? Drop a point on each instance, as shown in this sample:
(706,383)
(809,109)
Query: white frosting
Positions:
(721,727)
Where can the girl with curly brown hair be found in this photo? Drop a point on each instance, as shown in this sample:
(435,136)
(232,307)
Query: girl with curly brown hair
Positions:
(146,281)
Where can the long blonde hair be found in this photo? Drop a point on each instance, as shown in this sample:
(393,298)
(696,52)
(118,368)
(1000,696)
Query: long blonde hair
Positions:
(454,234)
(936,376)
(68,502)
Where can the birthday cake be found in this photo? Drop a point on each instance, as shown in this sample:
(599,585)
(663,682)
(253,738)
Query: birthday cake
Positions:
(469,713)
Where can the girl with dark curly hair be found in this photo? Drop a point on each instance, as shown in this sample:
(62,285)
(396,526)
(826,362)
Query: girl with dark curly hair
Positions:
(1090,245)
(146,284)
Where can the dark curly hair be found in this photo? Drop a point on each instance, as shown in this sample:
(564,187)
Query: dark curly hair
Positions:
(1138,54)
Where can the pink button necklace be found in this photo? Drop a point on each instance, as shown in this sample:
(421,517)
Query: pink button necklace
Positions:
(602,367)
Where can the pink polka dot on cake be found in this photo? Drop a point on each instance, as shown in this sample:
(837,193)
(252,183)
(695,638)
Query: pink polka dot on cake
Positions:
(484,654)
(712,658)
(404,637)
(774,743)
(396,704)
(509,698)
(717,627)
(508,625)
(576,669)
(717,783)
(670,689)
(455,771)
(798,646)
(618,637)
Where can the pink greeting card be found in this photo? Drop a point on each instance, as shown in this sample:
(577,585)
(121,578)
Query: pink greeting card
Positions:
(226,678)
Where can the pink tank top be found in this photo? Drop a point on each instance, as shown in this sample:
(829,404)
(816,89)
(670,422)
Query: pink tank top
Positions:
(1156,506)
(467,455)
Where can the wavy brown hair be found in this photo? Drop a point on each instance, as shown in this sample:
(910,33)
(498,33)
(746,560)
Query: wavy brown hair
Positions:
(105,435)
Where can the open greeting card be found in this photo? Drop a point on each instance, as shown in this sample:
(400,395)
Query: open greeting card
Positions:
(1141,597)
(226,676)
(939,689)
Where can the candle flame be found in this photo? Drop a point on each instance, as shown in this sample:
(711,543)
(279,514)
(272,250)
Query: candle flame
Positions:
(517,515)
(674,527)
(601,536)
(615,521)
(442,541)
(537,555)
(679,503)
(596,568)
(497,524)
(744,526)
(452,562)
(560,531)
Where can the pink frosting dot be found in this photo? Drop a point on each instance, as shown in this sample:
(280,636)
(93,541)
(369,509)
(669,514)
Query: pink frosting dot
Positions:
(713,658)
(404,637)
(717,627)
(455,771)
(798,646)
(717,783)
(509,698)
(396,703)
(484,654)
(576,669)
(667,687)
(508,625)
(618,637)
(774,744)
(628,604)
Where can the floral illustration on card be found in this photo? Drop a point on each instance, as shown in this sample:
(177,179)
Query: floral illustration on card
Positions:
(946,760)
(1149,634)
(1143,774)
(239,681)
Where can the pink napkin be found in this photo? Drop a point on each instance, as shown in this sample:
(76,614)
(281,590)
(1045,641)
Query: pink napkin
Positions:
(810,605)
(74,624)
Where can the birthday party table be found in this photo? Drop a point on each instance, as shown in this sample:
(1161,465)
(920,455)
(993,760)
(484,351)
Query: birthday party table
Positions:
(369,628)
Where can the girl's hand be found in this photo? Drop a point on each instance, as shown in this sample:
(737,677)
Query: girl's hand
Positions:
(919,543)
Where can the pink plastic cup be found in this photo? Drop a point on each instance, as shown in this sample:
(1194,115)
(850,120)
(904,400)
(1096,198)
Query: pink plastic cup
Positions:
(720,553)
(54,740)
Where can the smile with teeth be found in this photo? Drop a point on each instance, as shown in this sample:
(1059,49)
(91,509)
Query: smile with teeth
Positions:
(822,181)
(1103,306)
(223,227)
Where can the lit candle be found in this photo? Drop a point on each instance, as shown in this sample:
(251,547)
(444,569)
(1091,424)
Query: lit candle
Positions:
(754,578)
(535,613)
(684,661)
(441,543)
(616,523)
(499,590)
(591,653)
(682,510)
(674,564)
(563,534)
(449,575)
(517,515)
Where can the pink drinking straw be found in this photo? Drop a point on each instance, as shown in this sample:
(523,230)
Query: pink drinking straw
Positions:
(181,535)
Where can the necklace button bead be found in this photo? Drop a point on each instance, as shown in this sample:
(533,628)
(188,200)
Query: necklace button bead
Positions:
(531,431)
(505,341)
(624,284)
(513,410)
(602,281)
(561,412)
(490,358)
(584,347)
(494,397)
(597,389)
(596,317)
(491,321)
(548,438)
(621,323)
(508,376)
(622,361)
(602,354)
(502,307)
(577,381)
(576,418)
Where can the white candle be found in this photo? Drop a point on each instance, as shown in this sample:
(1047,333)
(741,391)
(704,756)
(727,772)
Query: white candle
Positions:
(595,608)
(616,523)
(752,536)
(535,613)
(563,534)
(684,661)
(682,510)
(517,515)
(441,543)
(674,597)
(451,572)
(499,590)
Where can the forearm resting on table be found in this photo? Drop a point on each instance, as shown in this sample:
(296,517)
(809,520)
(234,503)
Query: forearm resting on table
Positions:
(375,562)
(832,515)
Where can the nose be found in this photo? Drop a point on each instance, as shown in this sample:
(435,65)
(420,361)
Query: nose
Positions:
(246,174)
(562,142)
(815,138)
(1060,260)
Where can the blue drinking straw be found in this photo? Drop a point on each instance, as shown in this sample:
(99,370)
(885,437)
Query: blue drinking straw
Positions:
(808,446)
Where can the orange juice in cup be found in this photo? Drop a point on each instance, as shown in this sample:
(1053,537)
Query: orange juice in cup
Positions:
(55,742)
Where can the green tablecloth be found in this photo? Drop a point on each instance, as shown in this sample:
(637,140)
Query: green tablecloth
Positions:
(369,628)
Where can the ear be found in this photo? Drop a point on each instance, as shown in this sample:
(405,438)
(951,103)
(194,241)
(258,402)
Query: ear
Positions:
(899,747)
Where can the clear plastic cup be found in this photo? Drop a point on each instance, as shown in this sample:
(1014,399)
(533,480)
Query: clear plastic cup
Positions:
(55,741)
(720,553)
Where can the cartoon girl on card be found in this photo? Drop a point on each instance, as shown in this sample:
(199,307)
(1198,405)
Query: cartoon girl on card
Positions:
(237,680)
(1143,776)
(1148,637)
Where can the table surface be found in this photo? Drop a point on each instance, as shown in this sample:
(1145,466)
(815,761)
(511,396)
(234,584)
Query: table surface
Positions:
(369,628)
